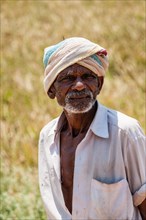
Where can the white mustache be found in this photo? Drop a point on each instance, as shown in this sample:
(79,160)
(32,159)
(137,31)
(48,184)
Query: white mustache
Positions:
(75,94)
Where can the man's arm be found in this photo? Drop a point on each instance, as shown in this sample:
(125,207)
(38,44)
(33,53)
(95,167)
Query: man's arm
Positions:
(142,209)
(135,167)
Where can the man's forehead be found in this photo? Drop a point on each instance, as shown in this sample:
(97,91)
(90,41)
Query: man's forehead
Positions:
(73,69)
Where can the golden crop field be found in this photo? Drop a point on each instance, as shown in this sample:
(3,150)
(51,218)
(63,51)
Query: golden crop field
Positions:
(27,27)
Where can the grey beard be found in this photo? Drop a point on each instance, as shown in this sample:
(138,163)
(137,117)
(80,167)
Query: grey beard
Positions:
(83,106)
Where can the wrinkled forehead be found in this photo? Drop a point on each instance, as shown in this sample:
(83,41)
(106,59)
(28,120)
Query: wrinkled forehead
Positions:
(75,68)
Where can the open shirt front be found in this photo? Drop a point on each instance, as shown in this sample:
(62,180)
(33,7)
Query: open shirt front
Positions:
(109,171)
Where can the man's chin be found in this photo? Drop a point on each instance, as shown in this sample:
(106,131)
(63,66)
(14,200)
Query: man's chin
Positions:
(80,108)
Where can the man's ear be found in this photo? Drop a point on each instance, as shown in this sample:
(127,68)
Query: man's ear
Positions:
(51,92)
(100,83)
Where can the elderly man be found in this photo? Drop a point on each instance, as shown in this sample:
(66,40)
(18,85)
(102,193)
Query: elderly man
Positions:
(91,158)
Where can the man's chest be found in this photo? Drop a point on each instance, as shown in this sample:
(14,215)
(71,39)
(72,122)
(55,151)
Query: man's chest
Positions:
(68,146)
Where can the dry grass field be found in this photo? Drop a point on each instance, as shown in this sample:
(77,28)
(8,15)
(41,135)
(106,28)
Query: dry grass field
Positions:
(27,27)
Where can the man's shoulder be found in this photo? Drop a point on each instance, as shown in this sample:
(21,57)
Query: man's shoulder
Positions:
(120,119)
(123,122)
(49,126)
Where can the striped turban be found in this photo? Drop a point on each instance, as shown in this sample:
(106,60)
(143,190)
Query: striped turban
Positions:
(70,51)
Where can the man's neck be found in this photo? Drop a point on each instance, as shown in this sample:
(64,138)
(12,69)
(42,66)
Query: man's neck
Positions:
(79,123)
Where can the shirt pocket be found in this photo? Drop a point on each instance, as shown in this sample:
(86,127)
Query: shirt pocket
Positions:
(110,201)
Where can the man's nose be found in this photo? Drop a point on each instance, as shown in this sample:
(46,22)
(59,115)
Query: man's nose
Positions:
(79,85)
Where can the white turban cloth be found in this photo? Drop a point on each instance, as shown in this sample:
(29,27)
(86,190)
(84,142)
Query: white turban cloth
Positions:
(70,51)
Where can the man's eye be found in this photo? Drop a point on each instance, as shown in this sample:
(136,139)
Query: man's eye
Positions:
(88,76)
(67,78)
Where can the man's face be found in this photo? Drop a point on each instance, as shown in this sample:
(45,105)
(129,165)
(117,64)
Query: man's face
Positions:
(76,88)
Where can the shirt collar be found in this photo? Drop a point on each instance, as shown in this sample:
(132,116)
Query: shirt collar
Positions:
(57,126)
(99,125)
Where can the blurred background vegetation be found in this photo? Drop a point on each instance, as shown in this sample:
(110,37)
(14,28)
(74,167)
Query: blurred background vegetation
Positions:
(27,27)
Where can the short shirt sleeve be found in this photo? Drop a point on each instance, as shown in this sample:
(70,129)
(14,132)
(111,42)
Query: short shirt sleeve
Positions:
(136,163)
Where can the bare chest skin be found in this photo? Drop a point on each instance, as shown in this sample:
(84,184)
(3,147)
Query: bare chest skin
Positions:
(68,145)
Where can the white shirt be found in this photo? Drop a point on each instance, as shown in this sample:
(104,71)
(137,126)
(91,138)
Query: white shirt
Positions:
(109,172)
